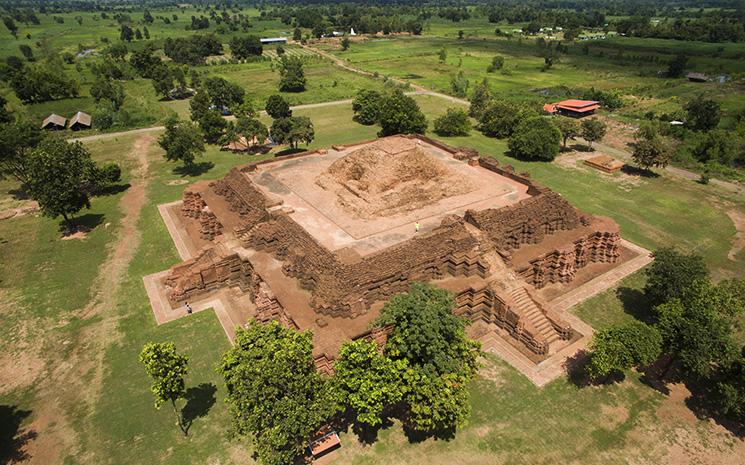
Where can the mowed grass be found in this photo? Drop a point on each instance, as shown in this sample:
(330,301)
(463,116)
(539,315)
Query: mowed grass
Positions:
(512,421)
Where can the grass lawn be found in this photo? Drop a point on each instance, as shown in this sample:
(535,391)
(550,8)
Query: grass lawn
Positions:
(46,281)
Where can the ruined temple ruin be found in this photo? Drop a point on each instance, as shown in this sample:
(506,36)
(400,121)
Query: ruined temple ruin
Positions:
(320,240)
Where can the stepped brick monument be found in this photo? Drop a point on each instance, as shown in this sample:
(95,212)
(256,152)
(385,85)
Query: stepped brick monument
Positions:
(320,240)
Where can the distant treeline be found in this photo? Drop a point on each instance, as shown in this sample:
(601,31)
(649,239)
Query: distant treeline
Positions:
(704,20)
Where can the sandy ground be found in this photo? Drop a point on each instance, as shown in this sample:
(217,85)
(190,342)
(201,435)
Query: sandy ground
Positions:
(77,379)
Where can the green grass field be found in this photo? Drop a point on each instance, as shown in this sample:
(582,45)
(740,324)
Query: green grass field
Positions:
(512,421)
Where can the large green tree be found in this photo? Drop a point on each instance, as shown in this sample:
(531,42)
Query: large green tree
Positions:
(621,347)
(223,93)
(17,137)
(400,114)
(697,327)
(291,75)
(441,358)
(61,176)
(535,138)
(454,122)
(212,125)
(244,47)
(366,106)
(293,130)
(671,273)
(501,118)
(181,140)
(367,381)
(569,128)
(167,369)
(108,90)
(274,392)
(277,107)
(703,113)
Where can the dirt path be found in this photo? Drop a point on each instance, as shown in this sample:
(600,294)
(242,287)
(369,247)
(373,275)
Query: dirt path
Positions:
(77,379)
(738,243)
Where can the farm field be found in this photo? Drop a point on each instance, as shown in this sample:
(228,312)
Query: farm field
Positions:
(106,415)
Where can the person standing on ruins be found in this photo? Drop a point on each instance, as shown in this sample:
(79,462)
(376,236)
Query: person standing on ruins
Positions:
(416,227)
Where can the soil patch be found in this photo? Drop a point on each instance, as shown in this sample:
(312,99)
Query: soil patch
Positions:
(177,182)
(377,181)
(26,209)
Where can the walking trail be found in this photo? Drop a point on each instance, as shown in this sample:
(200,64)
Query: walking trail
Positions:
(77,378)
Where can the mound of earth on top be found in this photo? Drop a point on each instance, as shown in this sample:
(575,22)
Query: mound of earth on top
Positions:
(384,179)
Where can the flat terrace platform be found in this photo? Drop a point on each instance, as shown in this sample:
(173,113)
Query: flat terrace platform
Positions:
(320,212)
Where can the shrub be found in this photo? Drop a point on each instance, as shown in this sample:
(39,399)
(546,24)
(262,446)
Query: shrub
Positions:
(536,138)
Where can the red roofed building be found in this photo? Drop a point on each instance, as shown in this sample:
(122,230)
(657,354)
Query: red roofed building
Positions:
(575,108)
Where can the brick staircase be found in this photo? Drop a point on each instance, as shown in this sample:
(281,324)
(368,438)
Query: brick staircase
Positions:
(530,311)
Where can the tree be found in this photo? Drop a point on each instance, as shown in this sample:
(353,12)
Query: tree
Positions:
(650,149)
(252,128)
(454,122)
(480,99)
(500,118)
(147,17)
(297,34)
(621,347)
(117,51)
(441,358)
(459,84)
(18,136)
(41,83)
(167,368)
(400,114)
(108,90)
(293,130)
(144,61)
(497,63)
(223,93)
(60,177)
(593,130)
(703,114)
(676,66)
(244,47)
(199,105)
(212,125)
(126,33)
(277,107)
(569,128)
(274,391)
(442,55)
(730,390)
(697,327)
(426,333)
(162,80)
(345,43)
(26,52)
(366,106)
(181,140)
(367,382)
(138,34)
(292,76)
(671,273)
(11,25)
(535,138)
(146,32)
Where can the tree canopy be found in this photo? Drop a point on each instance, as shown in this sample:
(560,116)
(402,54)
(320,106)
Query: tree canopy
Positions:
(61,176)
(703,113)
(621,347)
(277,107)
(400,114)
(454,122)
(593,130)
(167,369)
(291,75)
(292,130)
(245,47)
(274,392)
(536,138)
(671,273)
(366,106)
(181,140)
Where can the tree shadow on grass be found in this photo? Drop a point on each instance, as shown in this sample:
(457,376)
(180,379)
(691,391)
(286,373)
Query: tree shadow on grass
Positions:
(13,438)
(199,401)
(576,368)
(19,194)
(582,148)
(195,169)
(112,189)
(702,403)
(83,224)
(289,151)
(414,436)
(636,171)
(636,304)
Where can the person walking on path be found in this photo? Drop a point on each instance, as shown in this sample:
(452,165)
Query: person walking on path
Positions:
(188,308)
(416,227)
